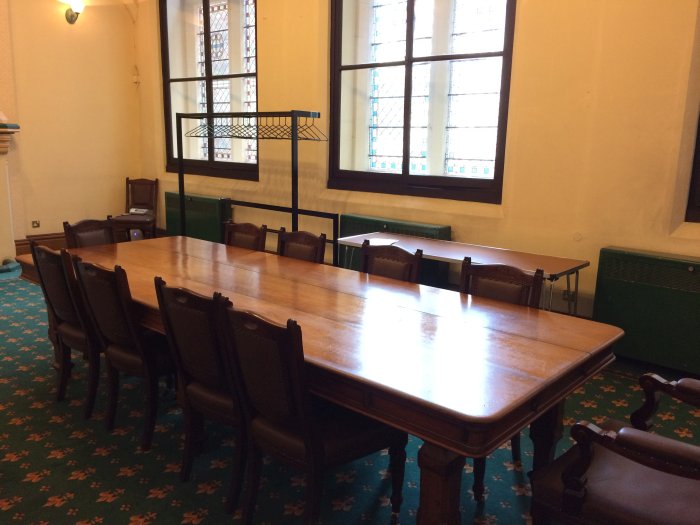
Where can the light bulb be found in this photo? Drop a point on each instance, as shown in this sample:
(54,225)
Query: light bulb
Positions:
(77,6)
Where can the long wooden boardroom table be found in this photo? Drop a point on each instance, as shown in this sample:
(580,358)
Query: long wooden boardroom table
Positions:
(454,252)
(462,373)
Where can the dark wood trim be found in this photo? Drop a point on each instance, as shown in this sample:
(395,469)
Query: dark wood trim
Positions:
(55,241)
(692,213)
(222,170)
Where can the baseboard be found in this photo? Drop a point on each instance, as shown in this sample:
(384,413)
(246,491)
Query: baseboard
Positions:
(55,241)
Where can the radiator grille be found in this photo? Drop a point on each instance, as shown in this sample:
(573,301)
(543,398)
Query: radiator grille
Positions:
(204,216)
(433,273)
(655,298)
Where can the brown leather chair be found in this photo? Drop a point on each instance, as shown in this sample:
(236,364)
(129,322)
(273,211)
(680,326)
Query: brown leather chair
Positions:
(245,235)
(205,389)
(622,475)
(390,261)
(128,348)
(90,232)
(141,194)
(69,326)
(508,284)
(301,245)
(284,420)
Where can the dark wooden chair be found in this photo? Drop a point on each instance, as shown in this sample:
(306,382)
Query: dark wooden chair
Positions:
(245,235)
(285,421)
(128,348)
(511,285)
(301,245)
(89,232)
(69,326)
(623,475)
(142,195)
(390,261)
(205,389)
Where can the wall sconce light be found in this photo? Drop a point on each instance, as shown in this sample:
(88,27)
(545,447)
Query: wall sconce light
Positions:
(76,7)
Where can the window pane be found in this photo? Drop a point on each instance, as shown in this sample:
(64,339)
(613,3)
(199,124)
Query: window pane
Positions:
(184,29)
(477,26)
(234,95)
(188,97)
(372,119)
(373,31)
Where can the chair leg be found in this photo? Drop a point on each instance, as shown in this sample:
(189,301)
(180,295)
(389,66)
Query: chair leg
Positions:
(479,473)
(515,448)
(63,365)
(397,467)
(151,386)
(194,424)
(93,382)
(239,461)
(112,395)
(314,491)
(252,483)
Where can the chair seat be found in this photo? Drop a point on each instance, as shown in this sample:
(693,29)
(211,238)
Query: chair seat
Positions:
(73,336)
(621,491)
(345,435)
(215,405)
(135,218)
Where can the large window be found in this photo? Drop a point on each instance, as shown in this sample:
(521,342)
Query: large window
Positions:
(419,96)
(692,213)
(209,66)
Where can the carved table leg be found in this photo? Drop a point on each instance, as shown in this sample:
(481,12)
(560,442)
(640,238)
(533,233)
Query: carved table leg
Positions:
(440,477)
(545,431)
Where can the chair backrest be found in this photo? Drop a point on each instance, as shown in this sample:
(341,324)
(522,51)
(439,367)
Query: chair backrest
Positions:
(301,245)
(58,283)
(109,304)
(190,322)
(245,235)
(390,261)
(142,193)
(89,232)
(502,282)
(268,364)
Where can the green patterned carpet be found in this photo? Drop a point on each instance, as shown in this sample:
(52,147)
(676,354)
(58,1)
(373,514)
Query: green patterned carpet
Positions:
(57,468)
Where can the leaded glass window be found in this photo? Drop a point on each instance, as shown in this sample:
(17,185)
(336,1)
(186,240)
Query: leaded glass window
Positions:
(209,66)
(420,96)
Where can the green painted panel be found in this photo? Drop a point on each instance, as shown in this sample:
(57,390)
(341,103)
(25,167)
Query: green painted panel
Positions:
(655,298)
(204,215)
(433,273)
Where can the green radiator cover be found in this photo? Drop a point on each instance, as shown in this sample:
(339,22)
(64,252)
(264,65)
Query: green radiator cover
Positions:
(433,273)
(655,298)
(204,216)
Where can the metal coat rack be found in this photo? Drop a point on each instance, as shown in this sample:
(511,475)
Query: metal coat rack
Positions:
(294,125)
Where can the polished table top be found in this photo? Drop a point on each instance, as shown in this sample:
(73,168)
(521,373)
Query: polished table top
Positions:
(451,252)
(460,371)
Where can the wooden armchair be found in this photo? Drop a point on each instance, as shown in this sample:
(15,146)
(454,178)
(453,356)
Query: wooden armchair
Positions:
(245,235)
(205,389)
(390,261)
(301,245)
(141,195)
(617,474)
(511,285)
(285,421)
(89,232)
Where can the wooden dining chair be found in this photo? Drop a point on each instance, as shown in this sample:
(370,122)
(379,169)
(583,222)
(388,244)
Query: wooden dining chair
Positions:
(89,232)
(617,474)
(129,349)
(245,235)
(390,261)
(205,389)
(301,245)
(141,195)
(511,285)
(284,420)
(69,325)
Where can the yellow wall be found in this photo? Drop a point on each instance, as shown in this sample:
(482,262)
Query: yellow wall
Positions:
(604,104)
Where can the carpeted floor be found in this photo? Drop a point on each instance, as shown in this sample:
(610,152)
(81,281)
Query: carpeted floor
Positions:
(57,468)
